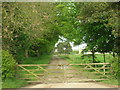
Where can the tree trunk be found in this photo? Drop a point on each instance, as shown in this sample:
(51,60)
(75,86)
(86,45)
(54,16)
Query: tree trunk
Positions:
(113,54)
(38,54)
(26,53)
(93,56)
(104,57)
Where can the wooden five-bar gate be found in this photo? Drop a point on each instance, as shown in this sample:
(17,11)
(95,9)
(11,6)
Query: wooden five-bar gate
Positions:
(57,73)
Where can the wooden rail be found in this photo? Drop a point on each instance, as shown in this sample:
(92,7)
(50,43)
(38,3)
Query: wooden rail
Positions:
(84,80)
(27,65)
(103,69)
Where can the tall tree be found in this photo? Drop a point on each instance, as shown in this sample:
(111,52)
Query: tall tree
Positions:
(25,22)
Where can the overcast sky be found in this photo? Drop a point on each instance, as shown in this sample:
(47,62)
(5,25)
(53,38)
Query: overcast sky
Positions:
(81,46)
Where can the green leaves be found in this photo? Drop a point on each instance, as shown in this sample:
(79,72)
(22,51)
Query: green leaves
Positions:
(64,48)
(27,24)
(8,65)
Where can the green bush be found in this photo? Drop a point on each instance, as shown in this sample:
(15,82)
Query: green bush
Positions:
(115,66)
(8,65)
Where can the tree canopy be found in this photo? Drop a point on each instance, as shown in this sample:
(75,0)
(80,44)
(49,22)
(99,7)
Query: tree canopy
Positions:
(32,29)
(28,28)
(93,23)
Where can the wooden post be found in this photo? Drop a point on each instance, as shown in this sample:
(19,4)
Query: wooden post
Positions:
(64,78)
(104,69)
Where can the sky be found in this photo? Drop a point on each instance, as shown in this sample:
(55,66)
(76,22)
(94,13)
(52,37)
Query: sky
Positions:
(74,47)
(77,47)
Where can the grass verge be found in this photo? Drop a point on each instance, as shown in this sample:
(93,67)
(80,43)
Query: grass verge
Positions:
(111,82)
(13,83)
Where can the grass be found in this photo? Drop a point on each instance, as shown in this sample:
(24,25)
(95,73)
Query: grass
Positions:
(77,59)
(99,57)
(45,59)
(13,83)
(16,83)
(111,82)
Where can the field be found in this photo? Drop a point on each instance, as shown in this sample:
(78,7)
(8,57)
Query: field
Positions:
(75,59)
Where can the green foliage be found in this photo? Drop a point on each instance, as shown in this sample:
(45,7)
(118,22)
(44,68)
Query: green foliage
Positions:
(65,19)
(8,65)
(41,46)
(13,83)
(64,48)
(32,29)
(93,23)
(44,59)
(115,67)
(28,29)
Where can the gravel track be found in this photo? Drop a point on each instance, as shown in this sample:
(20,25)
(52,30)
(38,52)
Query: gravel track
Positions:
(61,78)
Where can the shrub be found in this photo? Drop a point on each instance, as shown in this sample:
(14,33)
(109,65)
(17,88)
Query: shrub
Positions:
(115,66)
(8,65)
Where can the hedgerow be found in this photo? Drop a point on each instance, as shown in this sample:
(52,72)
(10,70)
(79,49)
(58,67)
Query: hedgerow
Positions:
(8,65)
